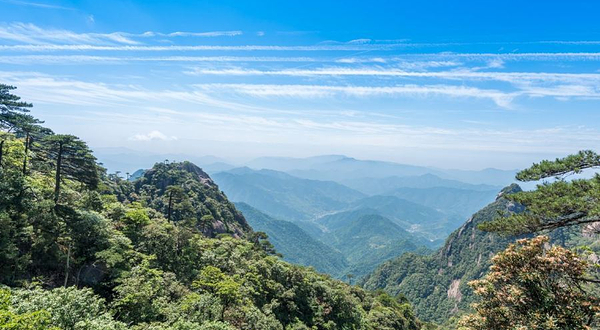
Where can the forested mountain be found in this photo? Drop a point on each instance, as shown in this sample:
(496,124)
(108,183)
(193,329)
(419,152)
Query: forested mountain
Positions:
(421,220)
(455,202)
(284,196)
(366,239)
(182,191)
(352,242)
(80,249)
(437,284)
(294,243)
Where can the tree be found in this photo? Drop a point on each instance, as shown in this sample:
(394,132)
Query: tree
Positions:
(29,128)
(12,112)
(174,193)
(212,280)
(261,243)
(533,286)
(556,204)
(10,107)
(73,160)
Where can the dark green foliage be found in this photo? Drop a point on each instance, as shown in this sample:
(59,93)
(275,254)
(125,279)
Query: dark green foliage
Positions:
(186,194)
(71,159)
(555,204)
(12,109)
(561,166)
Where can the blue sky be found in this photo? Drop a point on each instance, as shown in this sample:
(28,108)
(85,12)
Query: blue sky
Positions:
(467,84)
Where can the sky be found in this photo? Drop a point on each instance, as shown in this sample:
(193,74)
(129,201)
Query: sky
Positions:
(452,84)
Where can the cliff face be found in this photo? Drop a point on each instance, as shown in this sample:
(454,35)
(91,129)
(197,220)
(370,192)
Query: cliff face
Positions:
(438,284)
(183,192)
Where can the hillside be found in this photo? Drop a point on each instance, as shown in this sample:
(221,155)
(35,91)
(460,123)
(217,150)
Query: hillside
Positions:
(283,196)
(196,199)
(295,244)
(166,251)
(365,238)
(437,284)
(416,218)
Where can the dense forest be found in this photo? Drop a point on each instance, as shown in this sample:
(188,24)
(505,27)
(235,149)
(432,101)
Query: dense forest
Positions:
(83,249)
(447,284)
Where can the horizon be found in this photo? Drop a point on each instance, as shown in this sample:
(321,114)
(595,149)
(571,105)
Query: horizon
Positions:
(102,152)
(482,86)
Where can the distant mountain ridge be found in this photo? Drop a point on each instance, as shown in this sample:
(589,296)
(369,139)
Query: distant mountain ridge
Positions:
(284,196)
(381,186)
(341,168)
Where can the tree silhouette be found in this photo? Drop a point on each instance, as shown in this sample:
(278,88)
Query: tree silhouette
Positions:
(72,159)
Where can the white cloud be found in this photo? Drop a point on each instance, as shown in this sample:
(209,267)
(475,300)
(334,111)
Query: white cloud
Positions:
(311,91)
(92,47)
(41,36)
(33,34)
(512,77)
(36,4)
(94,59)
(153,136)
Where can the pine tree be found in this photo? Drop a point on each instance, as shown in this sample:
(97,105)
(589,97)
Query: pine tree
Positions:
(12,113)
(72,160)
(556,204)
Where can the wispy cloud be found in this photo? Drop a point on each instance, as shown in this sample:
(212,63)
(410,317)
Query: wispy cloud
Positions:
(28,33)
(378,71)
(33,34)
(152,136)
(96,59)
(311,91)
(91,47)
(36,4)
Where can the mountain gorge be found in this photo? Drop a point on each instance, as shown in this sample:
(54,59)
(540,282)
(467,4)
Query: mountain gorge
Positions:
(357,229)
(437,283)
(294,244)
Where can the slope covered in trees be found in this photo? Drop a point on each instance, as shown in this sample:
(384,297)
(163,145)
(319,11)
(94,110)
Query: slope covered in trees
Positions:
(549,282)
(437,284)
(294,244)
(80,249)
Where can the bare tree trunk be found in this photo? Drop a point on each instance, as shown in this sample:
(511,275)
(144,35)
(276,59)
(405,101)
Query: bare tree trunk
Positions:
(58,166)
(67,267)
(1,151)
(170,206)
(27,141)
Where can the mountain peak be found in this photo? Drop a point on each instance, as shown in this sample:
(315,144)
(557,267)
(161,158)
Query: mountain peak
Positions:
(511,189)
(203,199)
